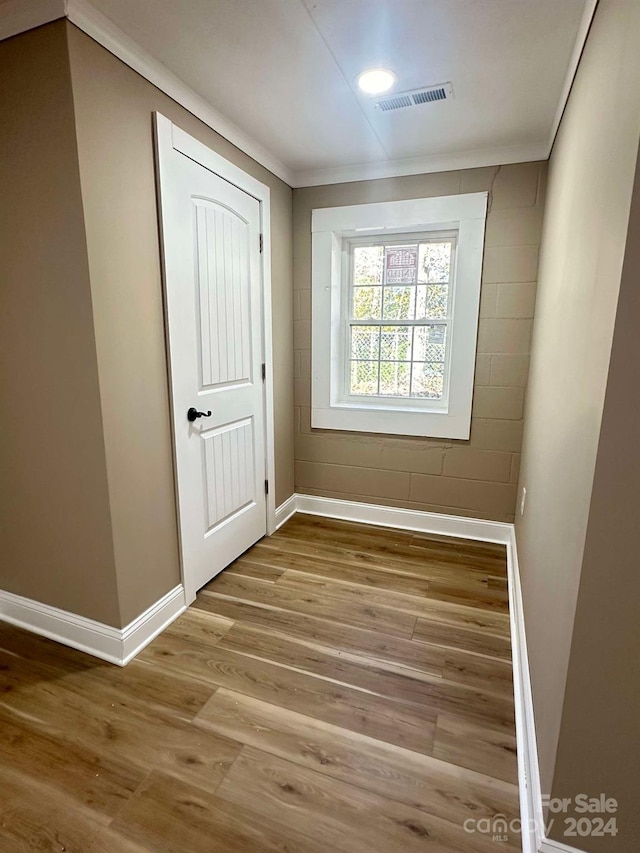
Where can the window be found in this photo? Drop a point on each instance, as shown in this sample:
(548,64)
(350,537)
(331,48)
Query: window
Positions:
(395,309)
(399,309)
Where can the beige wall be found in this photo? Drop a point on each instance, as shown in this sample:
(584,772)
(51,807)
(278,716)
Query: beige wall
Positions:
(600,750)
(87,499)
(472,478)
(55,538)
(585,229)
(114,107)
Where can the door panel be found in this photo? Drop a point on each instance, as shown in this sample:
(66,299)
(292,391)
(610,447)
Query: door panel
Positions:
(228,466)
(211,239)
(224,297)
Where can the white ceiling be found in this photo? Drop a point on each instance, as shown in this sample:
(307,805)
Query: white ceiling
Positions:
(283,72)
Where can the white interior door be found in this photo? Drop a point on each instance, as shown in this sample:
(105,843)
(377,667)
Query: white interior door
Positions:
(211,236)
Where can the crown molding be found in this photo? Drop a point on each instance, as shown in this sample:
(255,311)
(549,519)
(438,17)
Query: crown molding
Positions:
(18,16)
(21,15)
(117,42)
(576,55)
(420,165)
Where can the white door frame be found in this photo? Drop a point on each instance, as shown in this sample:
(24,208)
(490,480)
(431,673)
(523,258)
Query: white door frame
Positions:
(170,138)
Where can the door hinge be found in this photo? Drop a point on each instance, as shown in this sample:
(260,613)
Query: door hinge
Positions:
(264,372)
(261,243)
(266,487)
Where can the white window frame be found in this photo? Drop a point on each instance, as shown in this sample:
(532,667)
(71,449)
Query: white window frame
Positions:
(333,229)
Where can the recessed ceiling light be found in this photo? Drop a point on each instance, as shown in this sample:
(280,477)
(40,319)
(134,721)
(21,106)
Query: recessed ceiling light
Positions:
(376,80)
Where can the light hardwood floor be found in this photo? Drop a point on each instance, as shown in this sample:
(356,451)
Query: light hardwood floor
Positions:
(338,688)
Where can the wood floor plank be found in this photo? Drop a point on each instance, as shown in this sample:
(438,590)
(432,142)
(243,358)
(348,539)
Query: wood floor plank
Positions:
(436,787)
(442,588)
(479,748)
(356,532)
(405,557)
(416,564)
(301,655)
(479,597)
(168,816)
(342,816)
(428,691)
(334,528)
(123,729)
(108,841)
(252,566)
(361,614)
(477,619)
(35,816)
(462,638)
(339,687)
(101,781)
(171,694)
(195,625)
(492,674)
(361,575)
(488,598)
(396,543)
(474,592)
(392,652)
(410,726)
(471,548)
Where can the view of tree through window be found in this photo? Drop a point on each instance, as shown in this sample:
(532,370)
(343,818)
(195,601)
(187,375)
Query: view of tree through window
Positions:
(399,319)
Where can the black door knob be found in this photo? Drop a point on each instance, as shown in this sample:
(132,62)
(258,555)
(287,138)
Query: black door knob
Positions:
(193,414)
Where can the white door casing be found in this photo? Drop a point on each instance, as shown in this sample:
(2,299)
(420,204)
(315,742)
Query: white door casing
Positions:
(219,335)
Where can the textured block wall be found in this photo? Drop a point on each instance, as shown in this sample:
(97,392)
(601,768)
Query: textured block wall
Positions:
(471,478)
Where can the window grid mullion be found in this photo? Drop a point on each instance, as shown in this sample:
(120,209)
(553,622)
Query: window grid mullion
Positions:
(383,322)
(379,357)
(384,285)
(426,321)
(413,337)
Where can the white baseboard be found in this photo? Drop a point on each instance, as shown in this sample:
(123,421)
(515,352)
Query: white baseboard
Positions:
(527,749)
(533,833)
(549,846)
(534,839)
(286,510)
(403,519)
(116,645)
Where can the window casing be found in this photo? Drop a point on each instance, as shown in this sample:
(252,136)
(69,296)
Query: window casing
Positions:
(395,294)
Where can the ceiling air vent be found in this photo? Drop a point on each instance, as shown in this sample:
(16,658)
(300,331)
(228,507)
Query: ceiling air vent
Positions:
(394,103)
(429,95)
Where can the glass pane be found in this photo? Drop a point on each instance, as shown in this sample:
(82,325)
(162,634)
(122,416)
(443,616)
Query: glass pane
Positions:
(395,343)
(367,303)
(367,264)
(394,378)
(429,343)
(435,262)
(364,377)
(365,342)
(399,303)
(431,301)
(401,264)
(427,380)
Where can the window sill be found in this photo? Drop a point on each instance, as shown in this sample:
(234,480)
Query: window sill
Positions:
(411,406)
(427,424)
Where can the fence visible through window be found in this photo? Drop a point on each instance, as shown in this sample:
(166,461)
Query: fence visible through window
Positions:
(399,317)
